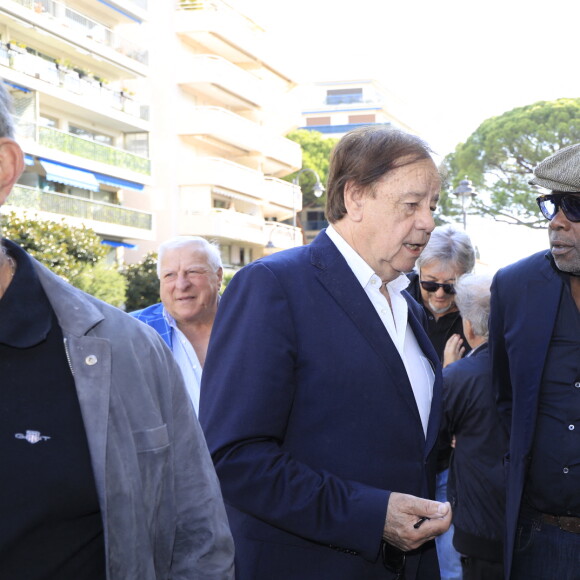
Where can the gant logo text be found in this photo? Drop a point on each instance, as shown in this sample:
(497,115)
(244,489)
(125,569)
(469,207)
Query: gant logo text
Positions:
(32,436)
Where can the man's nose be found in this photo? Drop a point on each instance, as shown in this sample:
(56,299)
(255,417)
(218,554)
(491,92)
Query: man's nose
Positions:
(559,221)
(426,221)
(182,280)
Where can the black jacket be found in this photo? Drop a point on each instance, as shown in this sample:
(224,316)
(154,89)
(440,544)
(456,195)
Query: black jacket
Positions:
(476,486)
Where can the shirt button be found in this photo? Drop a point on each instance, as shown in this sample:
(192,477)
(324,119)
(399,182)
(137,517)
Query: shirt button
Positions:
(565,470)
(571,427)
(383,311)
(373,282)
(91,360)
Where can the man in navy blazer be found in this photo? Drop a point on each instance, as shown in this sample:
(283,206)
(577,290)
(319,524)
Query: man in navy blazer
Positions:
(534,346)
(321,394)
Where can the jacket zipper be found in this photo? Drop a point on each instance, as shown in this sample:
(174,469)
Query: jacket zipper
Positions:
(68,357)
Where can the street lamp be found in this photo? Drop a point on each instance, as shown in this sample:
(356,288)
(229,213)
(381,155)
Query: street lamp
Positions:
(466,193)
(318,189)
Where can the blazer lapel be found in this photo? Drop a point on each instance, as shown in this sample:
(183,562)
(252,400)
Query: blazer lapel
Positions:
(537,311)
(336,276)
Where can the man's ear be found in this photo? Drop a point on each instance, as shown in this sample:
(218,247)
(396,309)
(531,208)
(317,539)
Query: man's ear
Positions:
(11,166)
(354,200)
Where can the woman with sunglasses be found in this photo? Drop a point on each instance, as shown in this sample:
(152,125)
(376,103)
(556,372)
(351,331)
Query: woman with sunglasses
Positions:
(448,255)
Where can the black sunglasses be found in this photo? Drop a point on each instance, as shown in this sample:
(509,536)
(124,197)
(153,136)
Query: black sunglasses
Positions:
(568,202)
(434,286)
(394,560)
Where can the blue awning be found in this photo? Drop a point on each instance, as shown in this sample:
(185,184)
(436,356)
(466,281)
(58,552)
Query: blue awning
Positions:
(116,182)
(118,244)
(28,159)
(69,175)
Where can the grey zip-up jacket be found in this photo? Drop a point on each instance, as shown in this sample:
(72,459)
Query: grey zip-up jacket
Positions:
(162,509)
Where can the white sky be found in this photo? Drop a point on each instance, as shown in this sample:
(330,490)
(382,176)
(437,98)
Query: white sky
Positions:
(453,63)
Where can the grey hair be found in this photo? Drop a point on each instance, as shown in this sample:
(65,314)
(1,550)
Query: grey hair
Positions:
(450,246)
(211,249)
(6,120)
(472,299)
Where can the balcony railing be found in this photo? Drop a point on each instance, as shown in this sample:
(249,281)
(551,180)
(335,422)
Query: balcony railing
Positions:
(41,68)
(90,28)
(86,148)
(86,209)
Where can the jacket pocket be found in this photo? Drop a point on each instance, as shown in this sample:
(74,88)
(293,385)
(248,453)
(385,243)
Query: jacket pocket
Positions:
(154,439)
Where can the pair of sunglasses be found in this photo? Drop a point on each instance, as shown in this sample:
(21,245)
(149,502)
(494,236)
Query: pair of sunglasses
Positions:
(568,202)
(434,286)
(394,560)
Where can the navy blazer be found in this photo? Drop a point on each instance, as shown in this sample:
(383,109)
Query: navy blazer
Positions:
(524,305)
(311,420)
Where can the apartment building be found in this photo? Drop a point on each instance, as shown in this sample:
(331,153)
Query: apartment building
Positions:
(221,107)
(73,69)
(336,107)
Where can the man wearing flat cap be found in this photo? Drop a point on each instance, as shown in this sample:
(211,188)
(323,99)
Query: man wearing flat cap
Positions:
(535,352)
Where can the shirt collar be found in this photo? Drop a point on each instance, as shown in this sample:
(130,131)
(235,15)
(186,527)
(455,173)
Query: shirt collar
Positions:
(25,312)
(362,271)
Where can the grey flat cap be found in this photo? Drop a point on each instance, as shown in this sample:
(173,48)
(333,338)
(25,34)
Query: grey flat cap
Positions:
(560,171)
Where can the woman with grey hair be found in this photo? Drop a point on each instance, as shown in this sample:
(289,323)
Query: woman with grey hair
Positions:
(448,255)
(476,483)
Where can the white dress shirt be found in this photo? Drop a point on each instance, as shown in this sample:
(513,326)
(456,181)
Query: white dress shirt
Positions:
(187,360)
(395,319)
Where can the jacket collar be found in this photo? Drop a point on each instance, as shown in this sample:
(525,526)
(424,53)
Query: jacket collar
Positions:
(76,315)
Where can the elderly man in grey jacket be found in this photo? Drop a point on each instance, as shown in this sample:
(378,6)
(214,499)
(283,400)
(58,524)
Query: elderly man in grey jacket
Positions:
(106,474)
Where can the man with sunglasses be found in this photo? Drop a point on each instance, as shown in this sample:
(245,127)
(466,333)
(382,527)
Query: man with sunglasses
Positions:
(534,346)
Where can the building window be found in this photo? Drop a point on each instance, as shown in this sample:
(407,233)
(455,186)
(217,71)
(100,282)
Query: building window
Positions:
(343,96)
(92,135)
(137,143)
(361,119)
(314,121)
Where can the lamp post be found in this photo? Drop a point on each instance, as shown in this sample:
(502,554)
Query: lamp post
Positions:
(318,191)
(466,193)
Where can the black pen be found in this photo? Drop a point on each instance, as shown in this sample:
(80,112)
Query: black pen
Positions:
(419,523)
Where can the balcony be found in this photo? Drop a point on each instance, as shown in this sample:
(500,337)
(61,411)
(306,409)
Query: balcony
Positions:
(87,87)
(226,32)
(235,134)
(214,171)
(103,217)
(283,194)
(85,148)
(224,224)
(223,81)
(61,20)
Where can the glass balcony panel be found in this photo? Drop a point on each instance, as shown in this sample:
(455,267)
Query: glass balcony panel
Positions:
(86,209)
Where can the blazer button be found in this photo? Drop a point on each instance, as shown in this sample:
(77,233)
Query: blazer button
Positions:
(91,360)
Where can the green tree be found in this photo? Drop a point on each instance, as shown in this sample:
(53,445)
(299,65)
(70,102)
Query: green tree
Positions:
(103,282)
(62,248)
(75,254)
(142,283)
(500,155)
(316,151)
